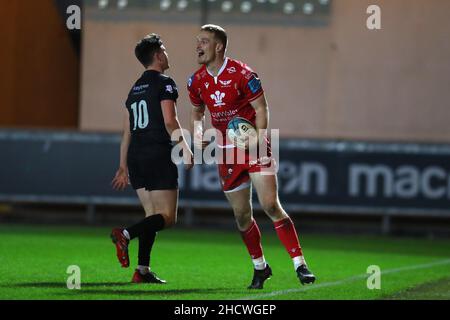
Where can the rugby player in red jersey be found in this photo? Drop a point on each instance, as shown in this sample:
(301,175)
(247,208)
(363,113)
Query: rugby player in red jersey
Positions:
(229,88)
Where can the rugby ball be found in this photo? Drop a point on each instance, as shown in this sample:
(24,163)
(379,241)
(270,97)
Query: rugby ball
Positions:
(240,130)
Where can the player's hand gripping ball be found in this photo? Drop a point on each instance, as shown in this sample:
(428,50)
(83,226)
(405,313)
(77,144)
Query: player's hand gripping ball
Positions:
(241,132)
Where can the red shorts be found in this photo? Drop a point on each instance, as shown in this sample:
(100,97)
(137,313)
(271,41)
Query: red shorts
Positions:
(234,175)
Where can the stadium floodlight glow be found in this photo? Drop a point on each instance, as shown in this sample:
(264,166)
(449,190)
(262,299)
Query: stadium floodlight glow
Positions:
(102,4)
(182,5)
(246,6)
(308,8)
(261,1)
(165,5)
(324,2)
(273,1)
(122,4)
(288,8)
(227,6)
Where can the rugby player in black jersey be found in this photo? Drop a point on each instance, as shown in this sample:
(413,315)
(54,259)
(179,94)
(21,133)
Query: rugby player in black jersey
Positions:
(150,118)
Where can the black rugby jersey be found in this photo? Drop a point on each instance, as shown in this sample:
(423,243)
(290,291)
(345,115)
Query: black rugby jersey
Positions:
(144,108)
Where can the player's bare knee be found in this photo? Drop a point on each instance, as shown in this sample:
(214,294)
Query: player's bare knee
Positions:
(243,219)
(269,207)
(272,209)
(170,219)
(149,213)
(243,225)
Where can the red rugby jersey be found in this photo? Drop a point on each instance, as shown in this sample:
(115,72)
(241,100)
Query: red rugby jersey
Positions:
(228,95)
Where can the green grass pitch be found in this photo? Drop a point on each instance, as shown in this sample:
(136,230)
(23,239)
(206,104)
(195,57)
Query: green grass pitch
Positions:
(205,265)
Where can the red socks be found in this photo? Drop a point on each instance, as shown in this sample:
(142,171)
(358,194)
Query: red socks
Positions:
(252,239)
(286,233)
(288,236)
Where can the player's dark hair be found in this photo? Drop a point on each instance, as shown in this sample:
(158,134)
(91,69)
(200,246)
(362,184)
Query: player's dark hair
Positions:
(146,49)
(219,33)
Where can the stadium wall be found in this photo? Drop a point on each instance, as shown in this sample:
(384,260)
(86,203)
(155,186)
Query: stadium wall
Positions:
(40,68)
(340,80)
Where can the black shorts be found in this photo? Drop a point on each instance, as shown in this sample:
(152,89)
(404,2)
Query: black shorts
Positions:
(152,168)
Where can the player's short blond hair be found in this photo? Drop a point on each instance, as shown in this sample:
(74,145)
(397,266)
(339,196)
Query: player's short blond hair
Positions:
(219,33)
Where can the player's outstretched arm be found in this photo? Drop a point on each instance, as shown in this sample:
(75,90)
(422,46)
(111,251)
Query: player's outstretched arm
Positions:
(197,126)
(120,180)
(171,122)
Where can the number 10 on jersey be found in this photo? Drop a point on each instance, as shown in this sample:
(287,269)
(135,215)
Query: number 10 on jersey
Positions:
(140,114)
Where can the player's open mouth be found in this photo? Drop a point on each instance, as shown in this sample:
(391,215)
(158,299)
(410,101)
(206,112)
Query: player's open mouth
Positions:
(200,53)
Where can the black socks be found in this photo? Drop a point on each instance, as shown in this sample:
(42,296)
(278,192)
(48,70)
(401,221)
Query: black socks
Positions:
(146,241)
(149,225)
(146,231)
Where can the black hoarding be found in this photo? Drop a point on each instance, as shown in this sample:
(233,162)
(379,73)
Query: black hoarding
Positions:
(332,175)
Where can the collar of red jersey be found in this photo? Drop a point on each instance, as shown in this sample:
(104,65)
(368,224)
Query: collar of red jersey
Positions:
(220,70)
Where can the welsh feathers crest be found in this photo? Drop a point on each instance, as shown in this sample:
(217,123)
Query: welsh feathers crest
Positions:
(218,97)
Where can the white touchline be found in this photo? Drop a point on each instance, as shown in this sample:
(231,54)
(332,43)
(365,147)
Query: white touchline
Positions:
(343,281)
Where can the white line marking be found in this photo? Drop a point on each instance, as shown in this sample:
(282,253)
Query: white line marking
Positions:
(343,281)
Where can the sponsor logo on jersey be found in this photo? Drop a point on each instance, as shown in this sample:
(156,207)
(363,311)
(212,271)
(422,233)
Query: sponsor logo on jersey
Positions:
(223,116)
(225,83)
(231,70)
(169,88)
(207,85)
(218,97)
(254,85)
(141,87)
